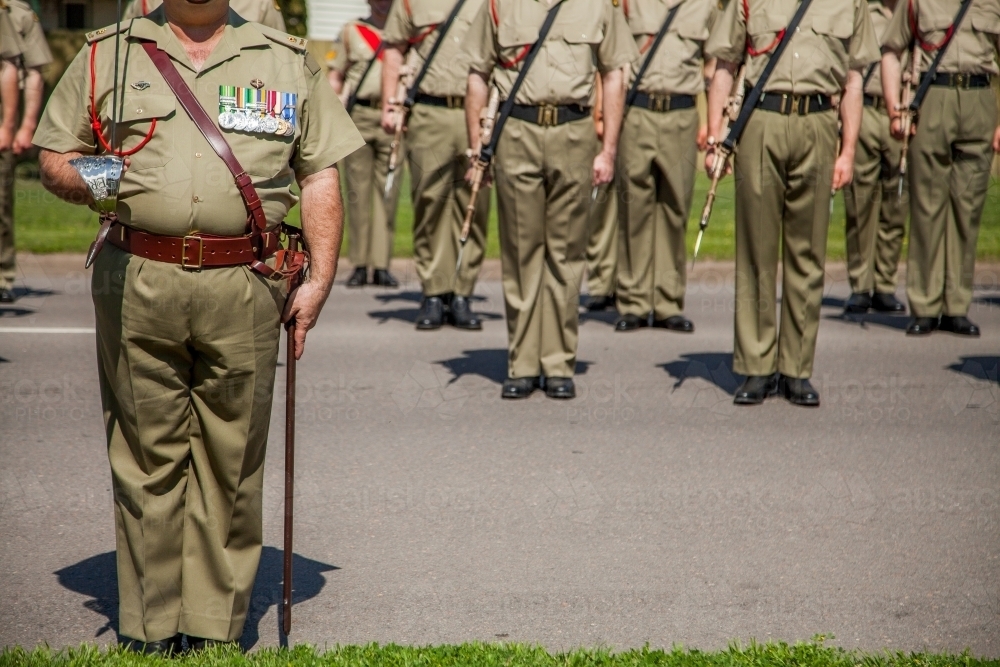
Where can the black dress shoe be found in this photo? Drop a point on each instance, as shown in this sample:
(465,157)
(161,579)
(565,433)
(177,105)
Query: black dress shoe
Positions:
(431,315)
(858,303)
(958,324)
(359,278)
(200,644)
(598,303)
(921,326)
(755,389)
(675,323)
(383,278)
(166,647)
(7,296)
(798,391)
(883,302)
(562,388)
(630,322)
(460,315)
(519,387)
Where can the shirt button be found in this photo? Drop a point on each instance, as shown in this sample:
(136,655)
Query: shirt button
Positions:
(138,110)
(197,199)
(796,55)
(197,154)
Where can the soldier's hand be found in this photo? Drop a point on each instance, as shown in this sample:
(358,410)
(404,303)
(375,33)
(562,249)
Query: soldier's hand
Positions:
(843,171)
(896,128)
(304,305)
(22,140)
(604,169)
(389,118)
(6,139)
(470,175)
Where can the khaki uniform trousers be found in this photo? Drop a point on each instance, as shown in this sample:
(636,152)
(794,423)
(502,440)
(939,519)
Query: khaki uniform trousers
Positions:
(372,220)
(876,214)
(437,143)
(543,177)
(950,160)
(8,255)
(658,153)
(602,247)
(784,175)
(186,362)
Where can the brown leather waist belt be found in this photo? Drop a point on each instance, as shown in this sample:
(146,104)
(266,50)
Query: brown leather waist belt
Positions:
(193,252)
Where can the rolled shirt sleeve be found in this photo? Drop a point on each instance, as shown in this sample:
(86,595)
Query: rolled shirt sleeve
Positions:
(328,133)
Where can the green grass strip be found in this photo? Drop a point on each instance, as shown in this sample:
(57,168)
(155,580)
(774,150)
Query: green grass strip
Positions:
(814,653)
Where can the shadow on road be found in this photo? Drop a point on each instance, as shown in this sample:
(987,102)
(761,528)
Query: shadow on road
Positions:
(898,322)
(409,315)
(490,364)
(16,312)
(714,367)
(97,578)
(979,368)
(988,300)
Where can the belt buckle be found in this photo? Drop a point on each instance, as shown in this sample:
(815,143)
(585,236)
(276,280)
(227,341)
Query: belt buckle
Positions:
(786,104)
(201,253)
(960,80)
(454,102)
(548,115)
(659,102)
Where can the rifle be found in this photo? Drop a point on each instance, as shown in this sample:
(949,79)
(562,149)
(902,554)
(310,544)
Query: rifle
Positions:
(728,145)
(912,109)
(733,108)
(286,595)
(486,124)
(907,117)
(406,95)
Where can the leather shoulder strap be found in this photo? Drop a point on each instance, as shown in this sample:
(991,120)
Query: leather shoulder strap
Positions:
(212,134)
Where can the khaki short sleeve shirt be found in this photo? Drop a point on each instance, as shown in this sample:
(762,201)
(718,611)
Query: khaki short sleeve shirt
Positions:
(678,65)
(587,36)
(412,23)
(881,16)
(36,49)
(177,184)
(974,47)
(11,44)
(259,11)
(358,42)
(835,36)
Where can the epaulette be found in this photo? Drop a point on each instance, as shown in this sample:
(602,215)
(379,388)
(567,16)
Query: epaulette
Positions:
(104,33)
(283,38)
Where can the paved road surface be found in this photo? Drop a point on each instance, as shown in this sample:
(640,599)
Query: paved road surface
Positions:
(650,509)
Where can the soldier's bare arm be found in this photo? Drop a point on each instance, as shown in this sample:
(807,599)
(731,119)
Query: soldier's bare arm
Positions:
(476,96)
(323,229)
(892,79)
(336,79)
(851,105)
(613,82)
(9,95)
(34,86)
(718,98)
(392,61)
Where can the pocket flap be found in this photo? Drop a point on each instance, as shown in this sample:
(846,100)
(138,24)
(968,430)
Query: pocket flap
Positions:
(840,26)
(147,107)
(986,23)
(583,33)
(762,24)
(426,16)
(510,34)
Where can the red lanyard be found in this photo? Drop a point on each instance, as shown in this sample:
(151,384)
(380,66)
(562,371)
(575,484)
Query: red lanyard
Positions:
(95,121)
(915,29)
(770,47)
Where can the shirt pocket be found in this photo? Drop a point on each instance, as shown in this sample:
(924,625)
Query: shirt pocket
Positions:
(692,22)
(263,155)
(763,27)
(987,21)
(137,115)
(933,18)
(513,38)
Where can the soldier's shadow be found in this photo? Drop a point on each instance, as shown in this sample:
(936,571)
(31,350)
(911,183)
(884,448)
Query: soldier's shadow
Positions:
(978,368)
(490,364)
(714,367)
(409,315)
(97,578)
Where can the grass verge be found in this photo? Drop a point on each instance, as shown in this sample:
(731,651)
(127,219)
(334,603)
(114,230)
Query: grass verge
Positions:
(807,654)
(46,224)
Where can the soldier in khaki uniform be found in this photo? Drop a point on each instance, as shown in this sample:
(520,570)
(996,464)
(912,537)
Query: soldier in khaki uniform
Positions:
(785,168)
(437,152)
(372,219)
(267,12)
(876,211)
(657,160)
(186,357)
(950,154)
(548,160)
(602,243)
(25,70)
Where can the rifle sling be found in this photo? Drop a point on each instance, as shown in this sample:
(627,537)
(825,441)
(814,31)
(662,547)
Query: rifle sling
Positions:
(487,152)
(634,90)
(750,103)
(411,94)
(353,99)
(931,73)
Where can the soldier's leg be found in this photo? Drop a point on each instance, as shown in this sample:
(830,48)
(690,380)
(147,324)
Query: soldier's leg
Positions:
(384,211)
(760,197)
(892,216)
(475,248)
(970,180)
(144,364)
(235,329)
(805,226)
(602,242)
(569,155)
(930,166)
(862,202)
(359,166)
(8,255)
(676,158)
(637,193)
(521,205)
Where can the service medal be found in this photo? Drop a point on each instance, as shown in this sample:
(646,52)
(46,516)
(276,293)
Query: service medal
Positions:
(240,120)
(227,119)
(269,125)
(253,123)
(282,127)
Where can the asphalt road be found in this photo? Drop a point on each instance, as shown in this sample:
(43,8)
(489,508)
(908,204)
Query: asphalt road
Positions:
(650,509)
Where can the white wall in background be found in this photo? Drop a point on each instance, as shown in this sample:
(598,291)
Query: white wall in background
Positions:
(327,17)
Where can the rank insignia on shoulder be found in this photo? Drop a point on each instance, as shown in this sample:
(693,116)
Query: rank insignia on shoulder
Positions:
(139,85)
(615,3)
